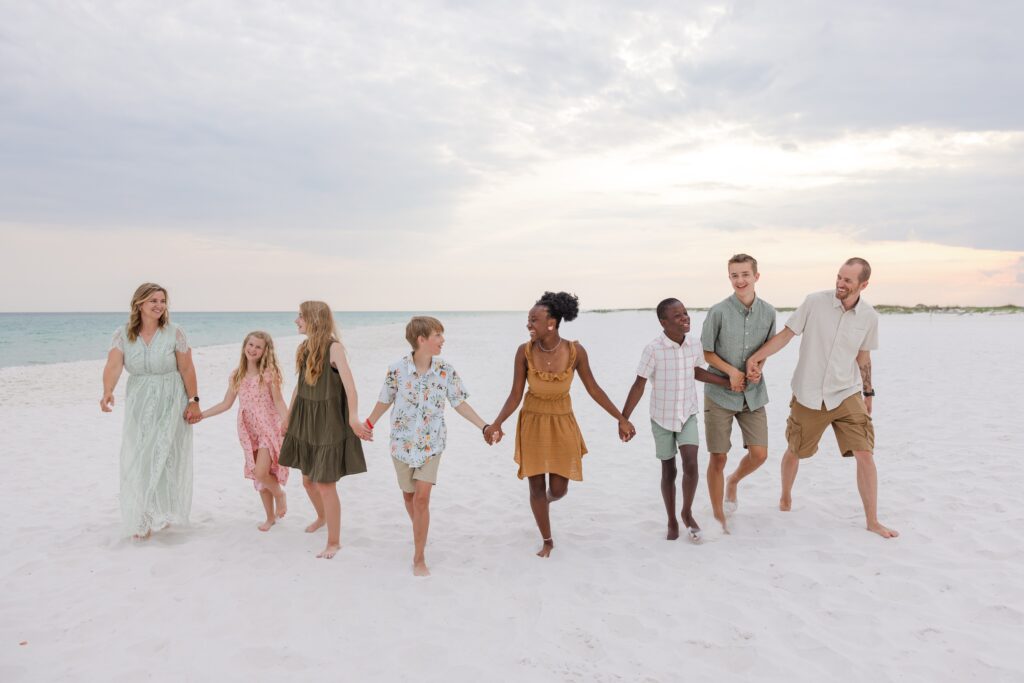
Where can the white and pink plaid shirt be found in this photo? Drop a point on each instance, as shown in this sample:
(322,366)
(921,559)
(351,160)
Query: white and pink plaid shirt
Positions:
(670,368)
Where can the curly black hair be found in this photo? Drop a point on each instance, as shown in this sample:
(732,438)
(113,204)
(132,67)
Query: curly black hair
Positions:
(561,306)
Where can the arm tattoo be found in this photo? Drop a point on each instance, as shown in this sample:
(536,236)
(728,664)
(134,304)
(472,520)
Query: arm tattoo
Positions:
(865,375)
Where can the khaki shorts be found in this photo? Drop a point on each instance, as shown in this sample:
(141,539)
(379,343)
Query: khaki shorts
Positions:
(718,426)
(850,421)
(408,476)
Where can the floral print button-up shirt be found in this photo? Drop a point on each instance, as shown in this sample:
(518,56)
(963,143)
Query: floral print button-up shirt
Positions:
(418,431)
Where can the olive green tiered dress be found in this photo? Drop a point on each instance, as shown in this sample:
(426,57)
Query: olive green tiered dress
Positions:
(320,441)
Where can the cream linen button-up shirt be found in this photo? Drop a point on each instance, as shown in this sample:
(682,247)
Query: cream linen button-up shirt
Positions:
(827,371)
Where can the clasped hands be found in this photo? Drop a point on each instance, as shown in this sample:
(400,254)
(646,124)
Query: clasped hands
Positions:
(192,413)
(492,434)
(753,375)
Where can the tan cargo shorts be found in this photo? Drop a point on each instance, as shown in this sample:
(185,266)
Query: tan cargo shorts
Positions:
(850,422)
(408,476)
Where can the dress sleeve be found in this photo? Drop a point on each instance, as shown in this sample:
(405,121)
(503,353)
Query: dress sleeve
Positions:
(455,389)
(117,341)
(180,341)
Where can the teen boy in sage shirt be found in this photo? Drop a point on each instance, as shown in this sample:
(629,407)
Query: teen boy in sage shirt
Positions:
(733,329)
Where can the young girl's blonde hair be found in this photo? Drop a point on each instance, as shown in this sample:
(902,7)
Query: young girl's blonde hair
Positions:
(267,365)
(141,296)
(320,334)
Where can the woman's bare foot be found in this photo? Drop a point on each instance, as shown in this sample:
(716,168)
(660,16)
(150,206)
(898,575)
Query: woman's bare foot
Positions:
(281,505)
(883,531)
(319,522)
(329,551)
(673,531)
(419,568)
(785,503)
(546,549)
(266,525)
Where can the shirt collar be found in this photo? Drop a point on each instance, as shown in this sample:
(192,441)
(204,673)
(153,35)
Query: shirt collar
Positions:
(739,304)
(836,303)
(665,341)
(410,364)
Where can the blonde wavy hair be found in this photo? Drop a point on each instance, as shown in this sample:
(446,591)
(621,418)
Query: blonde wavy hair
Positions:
(267,365)
(141,296)
(321,332)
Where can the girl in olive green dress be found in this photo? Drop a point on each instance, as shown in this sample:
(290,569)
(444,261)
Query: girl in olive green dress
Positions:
(324,428)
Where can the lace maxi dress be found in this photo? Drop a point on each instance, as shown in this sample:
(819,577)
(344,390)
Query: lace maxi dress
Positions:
(548,439)
(156,442)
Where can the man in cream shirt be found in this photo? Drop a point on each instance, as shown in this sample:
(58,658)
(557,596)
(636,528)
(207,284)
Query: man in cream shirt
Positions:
(832,382)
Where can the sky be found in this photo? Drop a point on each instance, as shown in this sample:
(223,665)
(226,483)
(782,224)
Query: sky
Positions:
(471,155)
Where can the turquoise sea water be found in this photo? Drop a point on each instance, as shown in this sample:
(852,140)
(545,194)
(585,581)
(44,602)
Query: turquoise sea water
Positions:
(38,338)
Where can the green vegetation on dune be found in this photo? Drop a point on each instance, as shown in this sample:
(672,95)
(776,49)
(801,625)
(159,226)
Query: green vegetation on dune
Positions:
(1007,309)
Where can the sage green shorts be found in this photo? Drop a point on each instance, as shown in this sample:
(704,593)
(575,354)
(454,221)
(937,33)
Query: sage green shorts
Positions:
(667,443)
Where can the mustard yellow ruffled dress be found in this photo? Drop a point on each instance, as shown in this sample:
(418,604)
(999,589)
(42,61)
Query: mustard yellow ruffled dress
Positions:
(548,439)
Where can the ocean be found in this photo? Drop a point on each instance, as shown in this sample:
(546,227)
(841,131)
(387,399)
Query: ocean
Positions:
(42,338)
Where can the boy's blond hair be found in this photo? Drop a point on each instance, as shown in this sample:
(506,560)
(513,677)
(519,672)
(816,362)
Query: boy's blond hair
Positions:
(744,258)
(421,326)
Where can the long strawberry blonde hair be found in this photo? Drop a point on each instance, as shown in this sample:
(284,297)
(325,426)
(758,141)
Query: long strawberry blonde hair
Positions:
(321,332)
(141,296)
(267,366)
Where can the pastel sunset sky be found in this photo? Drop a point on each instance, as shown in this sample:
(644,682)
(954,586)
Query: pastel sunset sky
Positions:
(470,155)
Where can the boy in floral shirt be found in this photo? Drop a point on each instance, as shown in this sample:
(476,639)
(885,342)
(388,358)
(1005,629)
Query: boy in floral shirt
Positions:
(418,386)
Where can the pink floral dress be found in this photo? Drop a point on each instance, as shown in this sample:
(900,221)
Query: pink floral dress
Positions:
(259,426)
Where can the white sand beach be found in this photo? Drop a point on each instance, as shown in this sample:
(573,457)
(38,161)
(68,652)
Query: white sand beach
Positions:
(807,595)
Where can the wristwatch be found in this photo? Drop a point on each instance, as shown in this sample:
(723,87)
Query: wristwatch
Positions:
(194,399)
(868,394)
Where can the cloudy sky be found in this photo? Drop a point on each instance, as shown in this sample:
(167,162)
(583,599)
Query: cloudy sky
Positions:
(469,155)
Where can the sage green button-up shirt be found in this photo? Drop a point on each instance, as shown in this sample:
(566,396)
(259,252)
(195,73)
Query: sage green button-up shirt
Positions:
(735,332)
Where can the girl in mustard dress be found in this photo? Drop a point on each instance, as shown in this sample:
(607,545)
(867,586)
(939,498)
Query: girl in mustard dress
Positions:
(549,445)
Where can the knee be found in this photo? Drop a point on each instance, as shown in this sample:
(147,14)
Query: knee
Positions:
(538,492)
(717,463)
(421,501)
(309,485)
(864,457)
(559,490)
(758,455)
(690,468)
(668,470)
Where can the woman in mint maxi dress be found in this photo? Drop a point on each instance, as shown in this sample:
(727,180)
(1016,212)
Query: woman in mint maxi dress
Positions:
(156,443)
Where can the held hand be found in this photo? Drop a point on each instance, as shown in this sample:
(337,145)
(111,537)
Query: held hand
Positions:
(754,370)
(192,413)
(492,434)
(360,429)
(369,426)
(107,402)
(737,381)
(626,430)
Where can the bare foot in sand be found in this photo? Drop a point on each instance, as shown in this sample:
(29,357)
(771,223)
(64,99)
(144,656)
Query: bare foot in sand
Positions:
(266,525)
(143,537)
(730,496)
(546,549)
(316,525)
(673,531)
(884,532)
(420,568)
(785,503)
(281,505)
(720,517)
(329,551)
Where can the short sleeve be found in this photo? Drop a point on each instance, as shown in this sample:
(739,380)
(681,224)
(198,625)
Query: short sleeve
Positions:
(870,342)
(798,321)
(646,367)
(454,388)
(709,332)
(698,353)
(774,316)
(180,341)
(117,341)
(389,391)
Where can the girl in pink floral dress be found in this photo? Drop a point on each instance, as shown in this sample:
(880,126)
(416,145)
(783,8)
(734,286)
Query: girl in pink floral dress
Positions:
(262,420)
